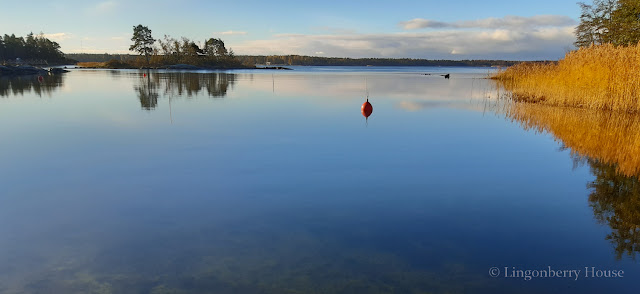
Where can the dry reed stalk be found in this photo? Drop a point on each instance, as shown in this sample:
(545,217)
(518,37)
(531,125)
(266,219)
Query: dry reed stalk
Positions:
(598,77)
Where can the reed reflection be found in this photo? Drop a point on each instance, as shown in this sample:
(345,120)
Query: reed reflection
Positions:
(152,85)
(609,143)
(611,138)
(19,85)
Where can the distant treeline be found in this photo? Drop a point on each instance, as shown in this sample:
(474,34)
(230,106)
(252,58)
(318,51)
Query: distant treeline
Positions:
(169,51)
(30,48)
(314,60)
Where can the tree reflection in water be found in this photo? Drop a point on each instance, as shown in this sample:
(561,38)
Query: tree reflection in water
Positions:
(14,86)
(615,199)
(181,84)
(610,144)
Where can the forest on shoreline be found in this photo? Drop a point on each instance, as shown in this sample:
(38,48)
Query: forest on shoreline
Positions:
(32,49)
(288,60)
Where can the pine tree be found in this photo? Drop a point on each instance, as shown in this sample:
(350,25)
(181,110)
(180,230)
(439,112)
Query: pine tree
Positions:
(142,41)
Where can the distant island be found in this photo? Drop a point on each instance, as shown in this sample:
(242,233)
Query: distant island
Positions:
(301,60)
(171,53)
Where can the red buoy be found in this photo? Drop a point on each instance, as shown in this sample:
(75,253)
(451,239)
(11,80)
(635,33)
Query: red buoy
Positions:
(40,79)
(144,75)
(367,109)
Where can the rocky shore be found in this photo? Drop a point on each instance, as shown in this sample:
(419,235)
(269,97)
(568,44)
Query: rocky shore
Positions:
(21,70)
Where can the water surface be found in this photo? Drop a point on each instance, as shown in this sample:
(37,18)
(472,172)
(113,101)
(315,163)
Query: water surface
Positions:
(273,182)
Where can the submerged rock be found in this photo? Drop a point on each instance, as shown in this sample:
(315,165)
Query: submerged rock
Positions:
(30,70)
(5,70)
(57,70)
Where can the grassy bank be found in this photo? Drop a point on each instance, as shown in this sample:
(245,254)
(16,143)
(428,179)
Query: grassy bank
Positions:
(113,64)
(598,77)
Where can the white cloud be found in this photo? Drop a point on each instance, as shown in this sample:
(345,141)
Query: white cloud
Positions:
(231,33)
(58,36)
(507,22)
(96,44)
(333,30)
(98,50)
(511,37)
(547,43)
(419,23)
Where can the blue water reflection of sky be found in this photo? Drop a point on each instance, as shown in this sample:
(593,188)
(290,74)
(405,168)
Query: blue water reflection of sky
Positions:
(282,185)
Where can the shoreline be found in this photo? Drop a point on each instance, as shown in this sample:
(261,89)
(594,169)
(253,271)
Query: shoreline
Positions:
(101,65)
(23,70)
(601,77)
(26,70)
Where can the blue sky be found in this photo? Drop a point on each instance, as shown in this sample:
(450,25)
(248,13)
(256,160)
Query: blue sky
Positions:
(445,29)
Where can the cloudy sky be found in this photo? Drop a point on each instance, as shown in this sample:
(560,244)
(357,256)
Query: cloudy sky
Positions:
(447,29)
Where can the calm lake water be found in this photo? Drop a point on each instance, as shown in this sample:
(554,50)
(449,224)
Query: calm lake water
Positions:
(127,181)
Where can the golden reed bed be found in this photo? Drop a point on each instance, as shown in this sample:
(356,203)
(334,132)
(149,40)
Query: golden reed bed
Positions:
(608,137)
(90,64)
(598,77)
